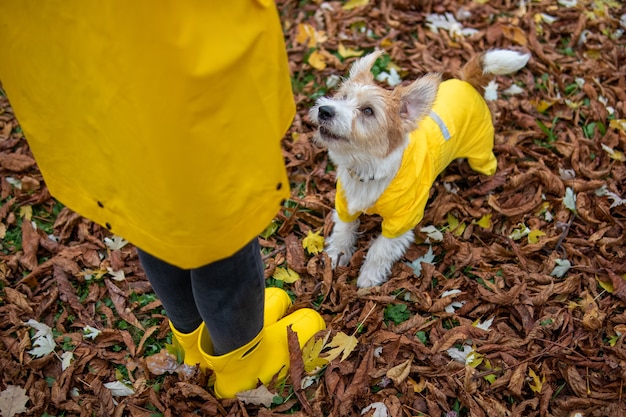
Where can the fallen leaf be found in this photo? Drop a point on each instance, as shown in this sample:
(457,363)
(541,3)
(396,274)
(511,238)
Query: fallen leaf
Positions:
(13,401)
(43,341)
(307,35)
(534,235)
(119,389)
(287,275)
(537,383)
(347,52)
(398,374)
(313,242)
(353,4)
(257,396)
(380,409)
(341,343)
(317,60)
(485,221)
(311,355)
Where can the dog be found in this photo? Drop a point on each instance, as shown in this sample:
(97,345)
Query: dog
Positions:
(389,146)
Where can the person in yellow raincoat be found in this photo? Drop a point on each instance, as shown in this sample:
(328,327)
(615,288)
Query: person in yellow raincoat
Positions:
(162,122)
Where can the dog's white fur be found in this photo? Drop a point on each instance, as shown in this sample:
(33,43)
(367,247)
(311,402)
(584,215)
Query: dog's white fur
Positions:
(366,137)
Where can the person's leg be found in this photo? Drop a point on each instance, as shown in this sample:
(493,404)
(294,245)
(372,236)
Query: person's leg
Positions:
(230,296)
(172,285)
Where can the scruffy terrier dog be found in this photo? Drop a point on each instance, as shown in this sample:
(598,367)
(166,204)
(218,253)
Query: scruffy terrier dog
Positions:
(389,146)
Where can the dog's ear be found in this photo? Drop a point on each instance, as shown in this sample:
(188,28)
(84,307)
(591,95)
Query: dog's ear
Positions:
(417,98)
(361,69)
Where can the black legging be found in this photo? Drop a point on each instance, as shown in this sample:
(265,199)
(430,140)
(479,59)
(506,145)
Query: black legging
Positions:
(228,295)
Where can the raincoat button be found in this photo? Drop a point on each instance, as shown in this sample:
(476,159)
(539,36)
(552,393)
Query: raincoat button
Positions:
(279,186)
(108,225)
(100,204)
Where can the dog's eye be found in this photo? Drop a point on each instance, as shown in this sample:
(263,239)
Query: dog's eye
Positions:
(368,111)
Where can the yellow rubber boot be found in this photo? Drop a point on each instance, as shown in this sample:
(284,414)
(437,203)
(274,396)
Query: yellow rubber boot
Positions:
(277,302)
(263,357)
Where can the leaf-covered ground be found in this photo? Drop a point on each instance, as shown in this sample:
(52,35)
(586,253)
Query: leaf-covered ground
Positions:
(519,307)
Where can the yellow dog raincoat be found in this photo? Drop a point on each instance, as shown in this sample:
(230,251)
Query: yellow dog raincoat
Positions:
(459,126)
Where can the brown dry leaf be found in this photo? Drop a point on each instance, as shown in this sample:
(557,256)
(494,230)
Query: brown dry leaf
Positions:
(16,162)
(399,373)
(18,299)
(30,245)
(119,301)
(257,396)
(13,401)
(515,34)
(593,318)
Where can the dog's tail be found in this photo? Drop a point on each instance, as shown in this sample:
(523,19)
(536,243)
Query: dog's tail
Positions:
(481,69)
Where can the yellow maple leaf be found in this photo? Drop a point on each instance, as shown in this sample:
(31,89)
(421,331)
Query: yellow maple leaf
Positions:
(317,60)
(485,221)
(287,275)
(313,242)
(311,355)
(456,227)
(543,105)
(348,52)
(353,4)
(26,212)
(341,343)
(619,124)
(307,35)
(534,235)
(537,383)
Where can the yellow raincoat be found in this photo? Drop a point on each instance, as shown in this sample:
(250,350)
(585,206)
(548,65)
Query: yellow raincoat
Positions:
(159,120)
(459,126)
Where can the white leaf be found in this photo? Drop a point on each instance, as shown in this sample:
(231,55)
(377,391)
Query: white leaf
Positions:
(43,341)
(548,18)
(43,346)
(428,258)
(66,360)
(116,275)
(461,355)
(514,89)
(380,409)
(115,243)
(520,232)
(119,389)
(450,292)
(333,80)
(567,174)
(453,306)
(563,265)
(14,182)
(449,23)
(568,3)
(491,91)
(617,200)
(432,233)
(485,325)
(570,199)
(90,332)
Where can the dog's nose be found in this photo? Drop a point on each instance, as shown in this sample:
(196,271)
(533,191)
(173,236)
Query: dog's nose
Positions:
(326,112)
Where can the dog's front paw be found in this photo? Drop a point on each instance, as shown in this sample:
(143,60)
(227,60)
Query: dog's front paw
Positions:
(339,256)
(370,278)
